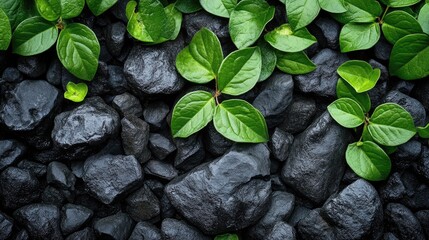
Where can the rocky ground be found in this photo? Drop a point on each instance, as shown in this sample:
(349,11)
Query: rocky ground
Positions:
(108,168)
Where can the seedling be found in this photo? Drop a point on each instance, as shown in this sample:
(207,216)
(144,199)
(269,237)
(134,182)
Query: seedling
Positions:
(76,92)
(227,236)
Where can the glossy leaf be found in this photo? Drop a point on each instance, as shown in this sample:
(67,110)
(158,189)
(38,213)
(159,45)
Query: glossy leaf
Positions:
(49,9)
(294,63)
(18,10)
(177,17)
(423,18)
(240,71)
(200,61)
(359,74)
(227,236)
(398,24)
(192,113)
(188,6)
(71,8)
(361,11)
(98,7)
(409,57)
(269,60)
(6,31)
(285,39)
(33,36)
(391,125)
(130,9)
(248,20)
(300,13)
(76,92)
(368,161)
(359,36)
(239,121)
(423,131)
(400,3)
(78,50)
(221,8)
(346,112)
(333,6)
(345,90)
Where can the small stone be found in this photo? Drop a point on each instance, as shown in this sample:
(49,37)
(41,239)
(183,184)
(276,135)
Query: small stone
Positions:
(382,49)
(54,73)
(135,138)
(6,226)
(280,144)
(115,37)
(110,79)
(52,195)
(422,165)
(167,209)
(160,169)
(401,221)
(155,114)
(10,152)
(394,188)
(299,213)
(155,186)
(282,231)
(32,66)
(143,205)
(60,176)
(423,217)
(145,231)
(407,154)
(190,152)
(331,31)
(85,234)
(215,143)
(299,114)
(118,226)
(192,23)
(22,235)
(161,146)
(172,229)
(74,217)
(127,105)
(313,226)
(12,75)
(18,187)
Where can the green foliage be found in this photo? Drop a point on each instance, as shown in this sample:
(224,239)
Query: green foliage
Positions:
(423,131)
(301,12)
(76,92)
(6,31)
(269,60)
(98,7)
(188,6)
(398,24)
(359,74)
(423,18)
(18,10)
(227,236)
(285,39)
(347,112)
(359,36)
(345,90)
(221,8)
(294,63)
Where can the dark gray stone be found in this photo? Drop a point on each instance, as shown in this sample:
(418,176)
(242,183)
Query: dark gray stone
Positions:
(118,227)
(29,105)
(6,226)
(313,226)
(52,195)
(160,169)
(74,217)
(423,217)
(393,189)
(217,198)
(215,143)
(32,66)
(12,75)
(135,138)
(420,93)
(402,222)
(127,105)
(172,229)
(155,114)
(331,31)
(109,177)
(274,98)
(155,186)
(299,114)
(192,23)
(382,49)
(323,80)
(190,152)
(110,79)
(37,169)
(403,86)
(142,204)
(18,187)
(356,212)
(42,221)
(407,154)
(59,175)
(53,75)
(422,165)
(316,160)
(161,146)
(22,235)
(115,37)
(10,152)
(145,231)
(84,234)
(414,107)
(282,231)
(389,236)
(151,70)
(167,209)
(280,144)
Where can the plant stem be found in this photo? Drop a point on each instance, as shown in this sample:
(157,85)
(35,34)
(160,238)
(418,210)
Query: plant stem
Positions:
(217,93)
(384,14)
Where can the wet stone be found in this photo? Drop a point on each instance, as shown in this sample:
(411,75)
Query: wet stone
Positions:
(190,152)
(161,146)
(18,187)
(115,37)
(10,152)
(155,114)
(146,231)
(118,227)
(280,144)
(127,105)
(160,169)
(135,138)
(299,114)
(74,217)
(59,175)
(32,66)
(142,204)
(172,229)
(192,23)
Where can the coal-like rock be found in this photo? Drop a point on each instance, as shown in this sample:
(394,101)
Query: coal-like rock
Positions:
(135,138)
(407,154)
(331,32)
(280,144)
(160,169)
(74,217)
(282,231)
(59,175)
(53,75)
(172,229)
(18,187)
(11,75)
(146,231)
(142,204)
(54,196)
(423,217)
(414,107)
(6,226)
(214,142)
(192,23)
(10,152)
(161,146)
(393,189)
(118,227)
(32,66)
(115,37)
(402,222)
(84,234)
(127,105)
(155,114)
(190,152)
(299,114)
(313,226)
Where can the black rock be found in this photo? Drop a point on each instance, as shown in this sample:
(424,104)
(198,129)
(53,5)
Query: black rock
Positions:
(74,217)
(378,93)
(12,75)
(393,189)
(382,49)
(403,86)
(331,32)
(53,75)
(142,204)
(37,169)
(22,235)
(299,213)
(146,231)
(217,198)
(215,143)
(127,105)
(316,161)
(109,177)
(172,229)
(160,169)
(151,70)
(167,209)
(274,98)
(192,23)
(190,152)
(389,236)
(118,10)
(161,146)
(414,107)
(110,79)
(407,154)
(60,176)
(423,217)
(42,221)
(356,212)
(135,138)
(118,227)
(85,128)
(282,231)
(299,114)
(52,195)
(6,225)
(28,105)
(280,144)
(85,234)
(282,204)
(323,80)
(155,114)
(115,38)
(422,165)
(313,226)
(420,93)
(10,152)
(155,186)
(402,222)
(18,187)
(32,66)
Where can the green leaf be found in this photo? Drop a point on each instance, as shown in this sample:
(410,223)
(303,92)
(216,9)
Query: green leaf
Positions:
(98,7)
(294,63)
(18,10)
(399,3)
(361,11)
(240,71)
(398,24)
(347,112)
(49,9)
(71,8)
(391,125)
(248,20)
(269,60)
(33,36)
(221,8)
(188,6)
(227,236)
(423,131)
(286,40)
(409,57)
(130,9)
(300,13)
(6,31)
(176,15)
(423,18)
(368,161)
(333,6)
(345,90)
(239,121)
(78,50)
(359,36)
(359,74)
(76,92)
(192,113)
(200,61)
